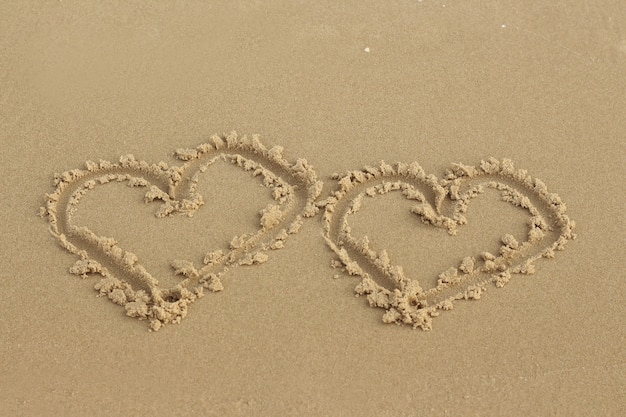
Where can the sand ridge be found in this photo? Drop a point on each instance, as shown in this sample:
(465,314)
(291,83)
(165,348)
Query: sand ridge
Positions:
(441,203)
(293,186)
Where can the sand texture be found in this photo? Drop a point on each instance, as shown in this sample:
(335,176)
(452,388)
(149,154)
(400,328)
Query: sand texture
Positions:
(407,208)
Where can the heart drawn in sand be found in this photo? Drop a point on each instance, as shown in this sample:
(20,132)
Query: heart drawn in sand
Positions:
(293,187)
(441,203)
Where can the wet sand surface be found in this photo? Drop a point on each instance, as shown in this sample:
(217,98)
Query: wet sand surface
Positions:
(317,209)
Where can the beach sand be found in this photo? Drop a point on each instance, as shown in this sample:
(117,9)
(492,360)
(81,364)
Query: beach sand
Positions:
(397,208)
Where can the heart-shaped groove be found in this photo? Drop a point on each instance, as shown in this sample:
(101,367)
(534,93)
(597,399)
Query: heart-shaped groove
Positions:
(293,186)
(386,286)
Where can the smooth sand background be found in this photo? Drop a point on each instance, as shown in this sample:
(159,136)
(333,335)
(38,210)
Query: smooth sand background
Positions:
(456,81)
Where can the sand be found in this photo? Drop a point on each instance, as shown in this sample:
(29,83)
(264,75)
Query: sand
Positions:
(126,281)
(403,298)
(387,209)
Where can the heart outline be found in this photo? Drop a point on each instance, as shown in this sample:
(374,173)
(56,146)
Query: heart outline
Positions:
(169,305)
(407,302)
